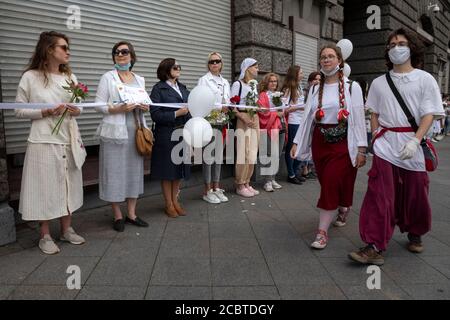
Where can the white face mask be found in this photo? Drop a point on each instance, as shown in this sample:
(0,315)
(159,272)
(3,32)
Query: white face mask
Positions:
(399,55)
(330,73)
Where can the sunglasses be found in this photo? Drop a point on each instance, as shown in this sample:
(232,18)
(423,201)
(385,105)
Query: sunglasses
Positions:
(218,61)
(63,46)
(124,52)
(176,67)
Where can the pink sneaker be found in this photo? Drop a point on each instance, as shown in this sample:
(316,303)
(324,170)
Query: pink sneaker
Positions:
(244,192)
(255,192)
(321,240)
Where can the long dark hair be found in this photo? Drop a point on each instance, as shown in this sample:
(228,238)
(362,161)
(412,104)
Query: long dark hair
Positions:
(40,57)
(415,45)
(291,83)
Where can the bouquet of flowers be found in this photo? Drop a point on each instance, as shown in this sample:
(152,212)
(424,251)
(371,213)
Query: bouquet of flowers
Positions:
(79,93)
(218,118)
(252,97)
(276,99)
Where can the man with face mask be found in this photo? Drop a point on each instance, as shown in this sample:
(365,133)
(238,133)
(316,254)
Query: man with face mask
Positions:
(398,182)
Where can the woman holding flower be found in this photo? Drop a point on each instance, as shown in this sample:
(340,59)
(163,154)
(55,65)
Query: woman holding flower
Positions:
(272,123)
(247,127)
(52,184)
(333,127)
(218,119)
(121,176)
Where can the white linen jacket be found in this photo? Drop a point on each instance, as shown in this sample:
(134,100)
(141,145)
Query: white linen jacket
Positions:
(113,127)
(208,80)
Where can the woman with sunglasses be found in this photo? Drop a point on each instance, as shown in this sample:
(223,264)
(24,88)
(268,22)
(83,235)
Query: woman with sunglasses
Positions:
(52,183)
(167,120)
(121,168)
(212,167)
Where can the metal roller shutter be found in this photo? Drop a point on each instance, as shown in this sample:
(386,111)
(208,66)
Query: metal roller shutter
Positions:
(183,29)
(306,55)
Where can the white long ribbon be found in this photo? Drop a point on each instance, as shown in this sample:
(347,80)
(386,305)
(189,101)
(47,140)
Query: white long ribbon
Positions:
(9,106)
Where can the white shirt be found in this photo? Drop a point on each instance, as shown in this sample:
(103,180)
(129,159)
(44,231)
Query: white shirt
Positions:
(219,86)
(245,90)
(32,89)
(422,96)
(175,87)
(330,103)
(357,136)
(296,116)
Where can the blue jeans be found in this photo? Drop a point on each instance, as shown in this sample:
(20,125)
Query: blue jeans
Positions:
(292,165)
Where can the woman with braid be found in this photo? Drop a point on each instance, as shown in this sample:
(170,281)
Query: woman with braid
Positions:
(334,128)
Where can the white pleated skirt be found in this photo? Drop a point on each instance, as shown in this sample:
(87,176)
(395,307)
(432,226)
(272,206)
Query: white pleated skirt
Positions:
(52,185)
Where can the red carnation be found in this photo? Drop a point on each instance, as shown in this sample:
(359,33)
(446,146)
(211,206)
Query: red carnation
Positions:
(235,100)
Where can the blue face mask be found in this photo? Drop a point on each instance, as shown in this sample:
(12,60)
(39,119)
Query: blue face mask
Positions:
(125,67)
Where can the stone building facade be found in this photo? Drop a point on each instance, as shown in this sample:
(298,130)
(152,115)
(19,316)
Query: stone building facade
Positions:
(432,26)
(266,29)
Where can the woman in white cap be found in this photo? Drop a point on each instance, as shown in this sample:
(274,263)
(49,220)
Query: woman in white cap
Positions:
(247,129)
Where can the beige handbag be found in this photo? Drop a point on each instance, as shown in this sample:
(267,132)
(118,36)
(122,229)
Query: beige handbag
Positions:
(144,138)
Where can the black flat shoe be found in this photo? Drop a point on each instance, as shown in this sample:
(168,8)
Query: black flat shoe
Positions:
(294,180)
(301,178)
(138,222)
(119,225)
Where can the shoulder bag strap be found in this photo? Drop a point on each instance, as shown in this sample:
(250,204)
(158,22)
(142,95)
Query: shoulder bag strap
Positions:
(402,103)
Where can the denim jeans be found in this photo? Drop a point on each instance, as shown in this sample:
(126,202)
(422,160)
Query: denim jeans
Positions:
(292,165)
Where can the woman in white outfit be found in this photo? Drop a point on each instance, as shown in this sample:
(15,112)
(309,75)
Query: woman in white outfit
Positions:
(212,165)
(52,184)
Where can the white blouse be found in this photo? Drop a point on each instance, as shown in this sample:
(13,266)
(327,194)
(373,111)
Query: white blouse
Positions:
(32,89)
(356,122)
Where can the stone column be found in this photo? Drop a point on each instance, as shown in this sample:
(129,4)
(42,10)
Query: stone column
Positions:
(7,220)
(261,34)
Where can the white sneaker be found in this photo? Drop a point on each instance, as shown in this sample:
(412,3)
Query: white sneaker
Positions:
(276,185)
(220,193)
(211,197)
(71,236)
(47,245)
(254,191)
(268,187)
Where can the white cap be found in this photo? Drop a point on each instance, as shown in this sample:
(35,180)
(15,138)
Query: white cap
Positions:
(247,63)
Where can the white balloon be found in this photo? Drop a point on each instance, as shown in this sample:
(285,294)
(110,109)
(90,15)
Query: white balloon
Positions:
(201,101)
(346,48)
(347,70)
(197,132)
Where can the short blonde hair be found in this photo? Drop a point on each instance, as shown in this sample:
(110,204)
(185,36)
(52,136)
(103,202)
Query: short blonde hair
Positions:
(210,56)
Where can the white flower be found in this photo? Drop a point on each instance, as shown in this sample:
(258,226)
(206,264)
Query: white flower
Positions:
(277,94)
(253,83)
